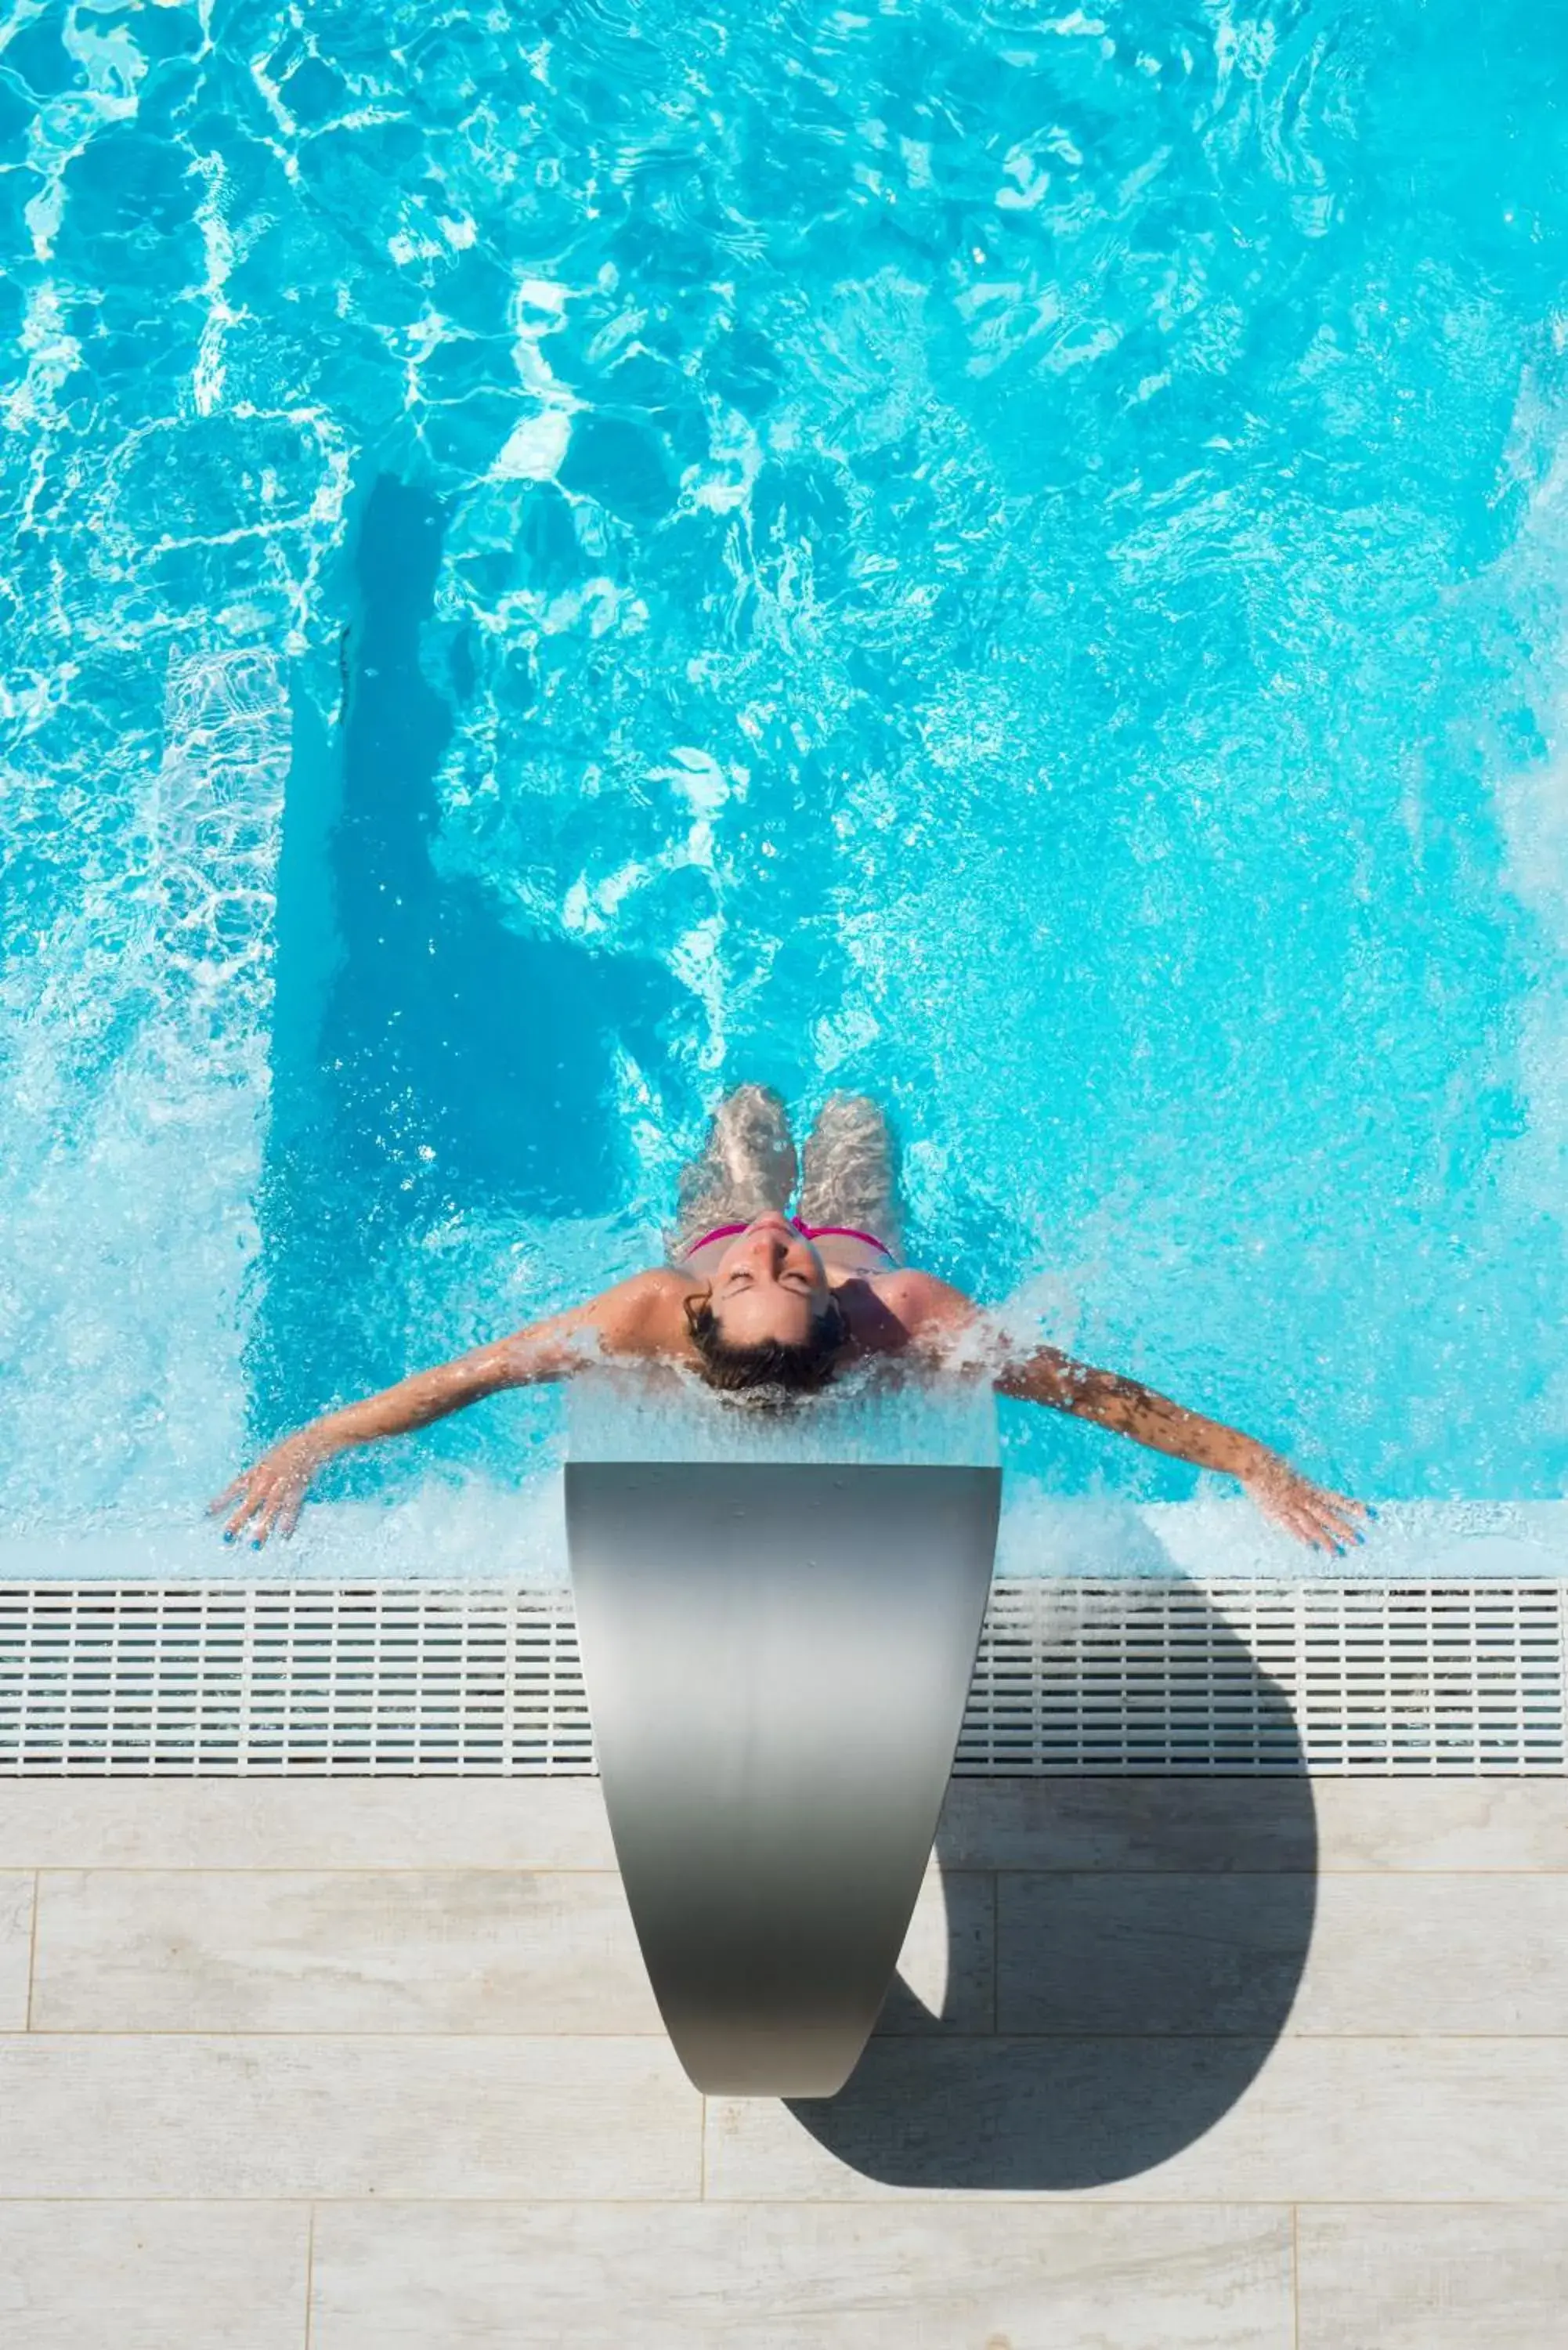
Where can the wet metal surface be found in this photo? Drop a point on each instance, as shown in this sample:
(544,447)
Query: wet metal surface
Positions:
(777,1659)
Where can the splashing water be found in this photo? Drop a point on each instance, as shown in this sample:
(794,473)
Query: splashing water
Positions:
(563,557)
(621,1416)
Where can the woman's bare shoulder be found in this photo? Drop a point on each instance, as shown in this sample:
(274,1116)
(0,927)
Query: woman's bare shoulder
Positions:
(922,1302)
(644,1314)
(940,1326)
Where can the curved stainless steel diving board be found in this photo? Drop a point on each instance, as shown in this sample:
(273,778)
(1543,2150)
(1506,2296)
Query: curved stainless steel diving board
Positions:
(777,1657)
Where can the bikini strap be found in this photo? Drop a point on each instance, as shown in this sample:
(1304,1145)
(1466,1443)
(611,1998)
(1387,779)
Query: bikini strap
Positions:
(810,1232)
(719,1233)
(841,1232)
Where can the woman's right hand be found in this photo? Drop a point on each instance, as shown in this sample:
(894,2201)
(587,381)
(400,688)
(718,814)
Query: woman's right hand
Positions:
(273,1493)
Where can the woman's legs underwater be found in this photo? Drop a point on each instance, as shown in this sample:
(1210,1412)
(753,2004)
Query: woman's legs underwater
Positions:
(748,1163)
(851,1171)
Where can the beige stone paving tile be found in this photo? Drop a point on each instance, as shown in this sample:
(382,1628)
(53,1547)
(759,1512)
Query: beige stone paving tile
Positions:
(1127,1824)
(304,1823)
(16,1946)
(954,2276)
(153,2276)
(1185,1825)
(1478,1955)
(1149,1952)
(949,1959)
(487,1950)
(1476,2277)
(219,2118)
(1442,1824)
(409,1950)
(1103,1953)
(1168,2120)
(1256,1825)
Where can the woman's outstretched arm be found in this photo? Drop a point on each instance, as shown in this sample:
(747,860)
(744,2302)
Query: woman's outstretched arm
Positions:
(269,1496)
(953,1330)
(1312,1512)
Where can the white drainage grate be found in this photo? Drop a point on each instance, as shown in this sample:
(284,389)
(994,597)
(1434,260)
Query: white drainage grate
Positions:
(132,1680)
(189,1678)
(1419,1680)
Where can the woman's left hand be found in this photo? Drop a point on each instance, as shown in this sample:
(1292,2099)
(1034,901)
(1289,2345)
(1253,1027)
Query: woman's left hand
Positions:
(273,1493)
(1312,1513)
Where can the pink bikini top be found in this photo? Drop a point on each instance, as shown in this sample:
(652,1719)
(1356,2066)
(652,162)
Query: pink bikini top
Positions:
(811,1232)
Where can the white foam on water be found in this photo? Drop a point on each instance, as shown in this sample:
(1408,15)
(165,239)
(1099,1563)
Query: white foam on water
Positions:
(479,1530)
(488,1531)
(623,1416)
(1220,1536)
(129,1227)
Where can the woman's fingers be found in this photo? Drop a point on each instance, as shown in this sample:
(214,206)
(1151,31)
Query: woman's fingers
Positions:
(284,1515)
(1342,1515)
(247,1491)
(1333,1526)
(264,1490)
(268,1518)
(1313,1513)
(269,1497)
(1317,1529)
(277,1494)
(1322,1517)
(254,1495)
(280,1500)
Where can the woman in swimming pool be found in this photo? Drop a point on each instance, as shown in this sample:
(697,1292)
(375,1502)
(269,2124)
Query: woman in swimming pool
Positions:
(756,1300)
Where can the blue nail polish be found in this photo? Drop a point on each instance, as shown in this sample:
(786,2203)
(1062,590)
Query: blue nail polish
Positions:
(1370,1510)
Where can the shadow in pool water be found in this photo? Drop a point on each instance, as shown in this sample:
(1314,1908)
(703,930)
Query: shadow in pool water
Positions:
(1150,1937)
(430,1059)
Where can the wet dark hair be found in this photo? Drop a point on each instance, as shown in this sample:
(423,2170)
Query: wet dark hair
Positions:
(797,1367)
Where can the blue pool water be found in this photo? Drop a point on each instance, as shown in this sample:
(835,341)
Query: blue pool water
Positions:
(563,556)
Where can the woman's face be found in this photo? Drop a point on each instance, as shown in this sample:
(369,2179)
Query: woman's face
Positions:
(770,1283)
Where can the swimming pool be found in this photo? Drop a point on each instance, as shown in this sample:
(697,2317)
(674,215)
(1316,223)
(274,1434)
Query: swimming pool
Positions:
(564,556)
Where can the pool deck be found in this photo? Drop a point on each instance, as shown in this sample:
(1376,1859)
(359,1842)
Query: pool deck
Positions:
(372,2066)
